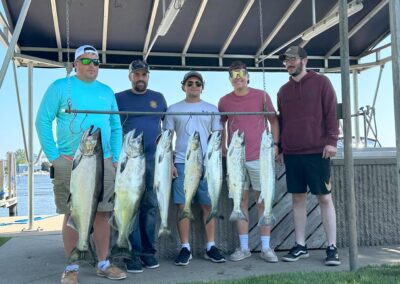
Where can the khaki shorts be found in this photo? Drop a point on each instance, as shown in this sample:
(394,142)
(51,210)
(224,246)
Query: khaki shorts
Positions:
(61,184)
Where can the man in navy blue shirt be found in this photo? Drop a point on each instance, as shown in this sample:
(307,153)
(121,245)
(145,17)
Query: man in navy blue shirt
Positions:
(139,98)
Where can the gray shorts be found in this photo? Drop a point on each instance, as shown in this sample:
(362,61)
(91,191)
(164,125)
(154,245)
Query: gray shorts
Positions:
(61,183)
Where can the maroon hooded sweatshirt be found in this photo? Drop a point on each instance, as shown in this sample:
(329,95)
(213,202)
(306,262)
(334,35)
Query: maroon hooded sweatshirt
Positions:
(308,114)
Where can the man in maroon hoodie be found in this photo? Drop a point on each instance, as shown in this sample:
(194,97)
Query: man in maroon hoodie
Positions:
(309,132)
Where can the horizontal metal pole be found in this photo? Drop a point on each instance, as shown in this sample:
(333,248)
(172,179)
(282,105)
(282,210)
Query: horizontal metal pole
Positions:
(171,113)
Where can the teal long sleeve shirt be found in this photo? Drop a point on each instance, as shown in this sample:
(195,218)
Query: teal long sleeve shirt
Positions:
(70,127)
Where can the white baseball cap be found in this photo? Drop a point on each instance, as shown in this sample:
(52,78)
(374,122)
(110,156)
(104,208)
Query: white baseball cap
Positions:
(85,49)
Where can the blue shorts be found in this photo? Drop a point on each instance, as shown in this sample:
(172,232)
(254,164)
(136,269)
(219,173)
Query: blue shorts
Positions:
(202,197)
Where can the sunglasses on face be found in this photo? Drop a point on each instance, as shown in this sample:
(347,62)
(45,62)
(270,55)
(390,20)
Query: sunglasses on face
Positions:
(191,83)
(290,60)
(235,73)
(87,61)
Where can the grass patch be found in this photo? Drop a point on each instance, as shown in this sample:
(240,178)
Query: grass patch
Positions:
(368,275)
(3,240)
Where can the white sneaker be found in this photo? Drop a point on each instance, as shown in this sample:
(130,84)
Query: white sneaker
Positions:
(239,254)
(269,255)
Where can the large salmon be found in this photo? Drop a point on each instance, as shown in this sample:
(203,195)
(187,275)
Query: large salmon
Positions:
(193,172)
(163,178)
(86,191)
(213,163)
(235,163)
(129,189)
(267,178)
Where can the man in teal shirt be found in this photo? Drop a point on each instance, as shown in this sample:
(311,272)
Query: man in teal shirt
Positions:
(84,92)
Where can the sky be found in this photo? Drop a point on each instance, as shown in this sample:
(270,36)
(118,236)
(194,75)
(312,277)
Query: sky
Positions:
(168,82)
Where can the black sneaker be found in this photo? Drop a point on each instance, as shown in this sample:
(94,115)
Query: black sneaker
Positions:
(214,255)
(183,258)
(134,265)
(297,252)
(332,257)
(149,261)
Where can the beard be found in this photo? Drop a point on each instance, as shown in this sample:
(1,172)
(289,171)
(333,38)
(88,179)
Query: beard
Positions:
(298,70)
(140,86)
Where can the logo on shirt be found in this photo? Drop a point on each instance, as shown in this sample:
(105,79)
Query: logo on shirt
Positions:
(153,104)
(328,185)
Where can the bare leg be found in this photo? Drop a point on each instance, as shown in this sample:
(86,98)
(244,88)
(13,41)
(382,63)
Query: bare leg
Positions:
(264,230)
(299,216)
(183,226)
(210,227)
(70,237)
(328,215)
(101,234)
(242,225)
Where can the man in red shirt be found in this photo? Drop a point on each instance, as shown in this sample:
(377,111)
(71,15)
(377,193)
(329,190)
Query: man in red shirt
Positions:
(309,133)
(243,98)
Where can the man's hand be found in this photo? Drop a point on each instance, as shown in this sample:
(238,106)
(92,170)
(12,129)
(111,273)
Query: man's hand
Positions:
(279,159)
(329,152)
(174,172)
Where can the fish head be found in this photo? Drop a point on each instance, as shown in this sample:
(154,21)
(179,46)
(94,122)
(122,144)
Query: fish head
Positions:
(166,139)
(90,141)
(237,139)
(134,145)
(215,140)
(195,140)
(267,140)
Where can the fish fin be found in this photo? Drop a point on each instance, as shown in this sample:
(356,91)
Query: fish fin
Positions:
(69,198)
(78,256)
(267,220)
(260,198)
(164,231)
(76,161)
(118,252)
(209,154)
(238,215)
(160,157)
(186,213)
(230,151)
(213,214)
(158,139)
(113,222)
(71,223)
(123,164)
(156,186)
(188,155)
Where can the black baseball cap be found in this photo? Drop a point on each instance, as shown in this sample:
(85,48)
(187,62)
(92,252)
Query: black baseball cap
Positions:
(192,74)
(293,51)
(138,65)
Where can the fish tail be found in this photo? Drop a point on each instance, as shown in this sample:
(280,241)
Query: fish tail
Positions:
(78,256)
(237,215)
(186,213)
(164,231)
(266,220)
(212,215)
(120,252)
